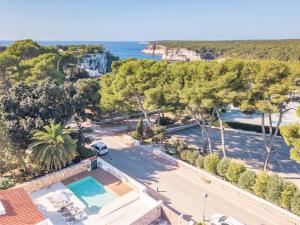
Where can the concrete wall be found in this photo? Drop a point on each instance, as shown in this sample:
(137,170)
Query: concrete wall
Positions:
(173,216)
(126,117)
(55,177)
(174,129)
(228,186)
(119,174)
(151,215)
(148,218)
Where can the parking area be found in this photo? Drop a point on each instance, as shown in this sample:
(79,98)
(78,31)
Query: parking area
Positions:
(250,149)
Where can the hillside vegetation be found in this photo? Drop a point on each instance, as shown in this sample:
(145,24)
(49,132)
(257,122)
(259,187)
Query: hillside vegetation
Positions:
(250,49)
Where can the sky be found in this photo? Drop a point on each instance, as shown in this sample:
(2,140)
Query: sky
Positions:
(138,20)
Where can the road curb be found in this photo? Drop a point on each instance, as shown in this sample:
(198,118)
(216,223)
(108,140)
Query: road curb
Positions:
(184,127)
(228,186)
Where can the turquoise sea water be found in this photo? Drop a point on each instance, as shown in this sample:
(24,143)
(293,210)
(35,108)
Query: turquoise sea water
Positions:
(91,192)
(123,49)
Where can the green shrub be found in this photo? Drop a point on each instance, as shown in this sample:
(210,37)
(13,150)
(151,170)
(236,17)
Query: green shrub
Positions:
(178,143)
(211,162)
(295,203)
(159,133)
(200,161)
(247,180)
(222,166)
(84,152)
(87,130)
(139,130)
(200,223)
(274,188)
(260,185)
(193,157)
(287,194)
(6,182)
(185,154)
(164,121)
(234,170)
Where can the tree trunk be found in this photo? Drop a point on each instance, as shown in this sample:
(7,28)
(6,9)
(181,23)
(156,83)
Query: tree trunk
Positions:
(205,134)
(147,118)
(270,145)
(270,125)
(158,116)
(222,131)
(141,107)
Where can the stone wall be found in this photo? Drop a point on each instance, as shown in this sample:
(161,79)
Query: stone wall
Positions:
(55,177)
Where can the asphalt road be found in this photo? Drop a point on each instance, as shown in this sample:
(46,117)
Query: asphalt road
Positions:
(250,149)
(182,187)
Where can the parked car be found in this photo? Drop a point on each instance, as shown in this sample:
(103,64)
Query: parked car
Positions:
(100,148)
(219,219)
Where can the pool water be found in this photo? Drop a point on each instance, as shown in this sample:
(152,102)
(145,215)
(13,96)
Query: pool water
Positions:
(91,192)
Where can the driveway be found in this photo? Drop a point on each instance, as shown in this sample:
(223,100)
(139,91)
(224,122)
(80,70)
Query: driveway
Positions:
(182,188)
(250,149)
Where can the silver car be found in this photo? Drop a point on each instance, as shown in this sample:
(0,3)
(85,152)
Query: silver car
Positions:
(219,219)
(100,148)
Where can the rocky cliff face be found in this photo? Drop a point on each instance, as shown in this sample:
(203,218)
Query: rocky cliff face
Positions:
(94,64)
(178,54)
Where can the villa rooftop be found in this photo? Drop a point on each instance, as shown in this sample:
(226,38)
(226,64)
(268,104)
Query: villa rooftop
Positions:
(19,208)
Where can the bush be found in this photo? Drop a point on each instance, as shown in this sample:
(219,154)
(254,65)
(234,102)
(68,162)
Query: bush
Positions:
(139,130)
(184,155)
(193,157)
(200,161)
(234,170)
(274,189)
(222,166)
(6,182)
(84,152)
(211,162)
(159,133)
(295,203)
(247,179)
(287,194)
(164,121)
(87,130)
(260,185)
(178,143)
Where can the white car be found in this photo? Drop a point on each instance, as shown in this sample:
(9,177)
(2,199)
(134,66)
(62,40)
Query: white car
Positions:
(219,219)
(100,148)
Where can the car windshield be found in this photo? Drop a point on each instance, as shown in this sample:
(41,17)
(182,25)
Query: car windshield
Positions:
(222,219)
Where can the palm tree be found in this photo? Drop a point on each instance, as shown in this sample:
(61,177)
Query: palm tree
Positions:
(53,147)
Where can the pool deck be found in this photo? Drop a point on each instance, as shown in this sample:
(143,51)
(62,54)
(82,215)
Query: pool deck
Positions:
(106,179)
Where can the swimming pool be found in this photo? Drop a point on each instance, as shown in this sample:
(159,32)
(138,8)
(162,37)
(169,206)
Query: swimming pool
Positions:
(91,192)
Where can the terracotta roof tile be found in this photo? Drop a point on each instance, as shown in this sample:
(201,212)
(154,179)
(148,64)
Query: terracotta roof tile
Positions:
(20,210)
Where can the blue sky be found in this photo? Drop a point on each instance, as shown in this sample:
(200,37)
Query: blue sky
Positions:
(119,20)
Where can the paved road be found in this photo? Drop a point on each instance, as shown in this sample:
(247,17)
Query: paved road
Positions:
(250,149)
(182,187)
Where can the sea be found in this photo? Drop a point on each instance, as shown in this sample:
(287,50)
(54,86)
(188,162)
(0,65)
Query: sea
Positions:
(122,49)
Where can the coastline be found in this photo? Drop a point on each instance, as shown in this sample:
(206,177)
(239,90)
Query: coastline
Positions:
(172,54)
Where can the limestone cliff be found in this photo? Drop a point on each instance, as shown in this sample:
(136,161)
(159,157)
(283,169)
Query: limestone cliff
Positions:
(94,64)
(176,54)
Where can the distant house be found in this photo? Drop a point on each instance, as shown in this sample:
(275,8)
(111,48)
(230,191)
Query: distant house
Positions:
(16,208)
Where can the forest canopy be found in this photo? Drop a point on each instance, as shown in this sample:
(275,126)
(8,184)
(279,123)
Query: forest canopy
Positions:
(242,49)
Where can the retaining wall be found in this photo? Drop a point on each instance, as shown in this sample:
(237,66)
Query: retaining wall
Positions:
(150,217)
(228,186)
(121,118)
(175,129)
(55,177)
(119,174)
